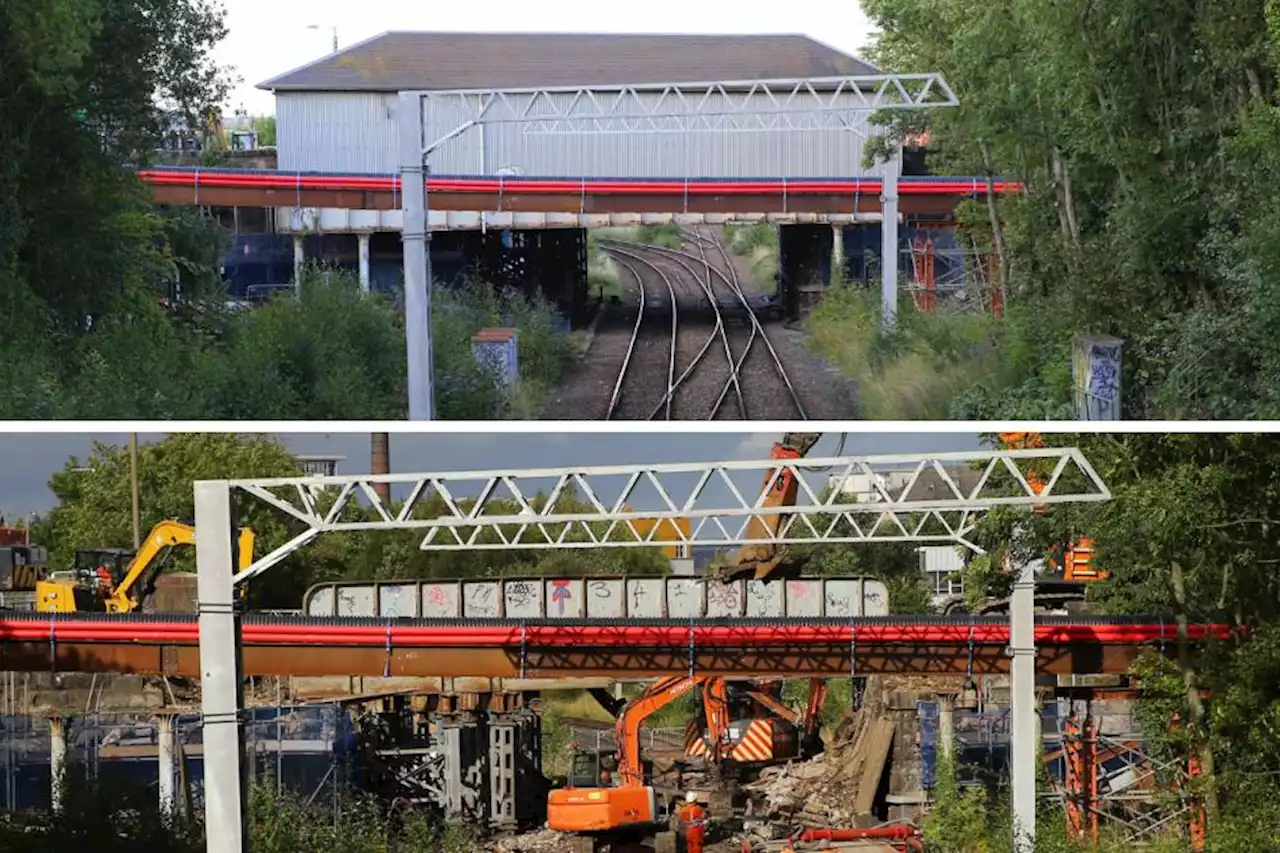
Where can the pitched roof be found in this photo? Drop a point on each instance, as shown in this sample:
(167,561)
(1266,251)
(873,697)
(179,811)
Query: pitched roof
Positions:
(397,61)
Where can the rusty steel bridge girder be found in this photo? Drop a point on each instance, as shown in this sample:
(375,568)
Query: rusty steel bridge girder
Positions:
(832,660)
(211,195)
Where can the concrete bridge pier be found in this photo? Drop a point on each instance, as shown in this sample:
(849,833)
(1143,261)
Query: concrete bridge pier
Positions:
(804,263)
(166,741)
(57,762)
(299,259)
(362,251)
(837,254)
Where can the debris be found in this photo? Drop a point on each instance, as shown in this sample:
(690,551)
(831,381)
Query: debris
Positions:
(542,841)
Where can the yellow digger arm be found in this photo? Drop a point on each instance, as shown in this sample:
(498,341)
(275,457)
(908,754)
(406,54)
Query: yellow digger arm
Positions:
(165,535)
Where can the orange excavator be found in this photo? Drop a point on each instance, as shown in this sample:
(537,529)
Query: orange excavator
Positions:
(749,726)
(768,730)
(629,810)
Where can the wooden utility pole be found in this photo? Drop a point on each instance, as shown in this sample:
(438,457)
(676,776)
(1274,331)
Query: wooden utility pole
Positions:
(133,485)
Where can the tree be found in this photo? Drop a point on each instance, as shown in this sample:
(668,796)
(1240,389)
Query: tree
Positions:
(1144,133)
(1190,536)
(90,86)
(265,127)
(94,505)
(94,510)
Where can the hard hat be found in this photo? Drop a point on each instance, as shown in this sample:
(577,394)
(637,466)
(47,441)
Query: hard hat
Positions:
(691,797)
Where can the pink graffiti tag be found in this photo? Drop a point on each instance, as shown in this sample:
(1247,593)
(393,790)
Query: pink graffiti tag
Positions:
(560,593)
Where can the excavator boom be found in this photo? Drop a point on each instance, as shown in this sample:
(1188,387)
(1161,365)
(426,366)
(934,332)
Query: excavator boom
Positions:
(123,597)
(760,561)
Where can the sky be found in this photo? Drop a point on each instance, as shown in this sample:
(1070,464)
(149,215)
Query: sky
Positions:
(28,460)
(267,39)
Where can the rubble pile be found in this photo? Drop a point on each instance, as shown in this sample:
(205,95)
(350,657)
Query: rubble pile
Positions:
(542,841)
(823,791)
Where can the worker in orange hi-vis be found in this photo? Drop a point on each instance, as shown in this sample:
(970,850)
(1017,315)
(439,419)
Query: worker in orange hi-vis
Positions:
(691,820)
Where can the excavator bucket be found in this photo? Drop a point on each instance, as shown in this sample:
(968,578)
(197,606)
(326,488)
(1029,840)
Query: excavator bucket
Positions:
(781,489)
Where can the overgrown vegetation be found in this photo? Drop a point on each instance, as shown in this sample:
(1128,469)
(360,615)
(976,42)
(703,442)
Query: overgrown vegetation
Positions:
(126,819)
(916,373)
(1147,134)
(603,278)
(1190,534)
(114,309)
(758,243)
(332,352)
(667,235)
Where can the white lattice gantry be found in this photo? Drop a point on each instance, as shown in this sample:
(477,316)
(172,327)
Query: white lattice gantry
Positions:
(797,104)
(900,498)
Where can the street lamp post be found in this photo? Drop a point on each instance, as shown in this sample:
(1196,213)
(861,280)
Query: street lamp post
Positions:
(333,30)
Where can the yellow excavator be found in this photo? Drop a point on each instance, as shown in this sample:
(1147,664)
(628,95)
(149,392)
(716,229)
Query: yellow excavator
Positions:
(113,580)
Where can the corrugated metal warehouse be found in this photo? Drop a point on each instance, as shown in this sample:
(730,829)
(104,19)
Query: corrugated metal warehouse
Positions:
(339,113)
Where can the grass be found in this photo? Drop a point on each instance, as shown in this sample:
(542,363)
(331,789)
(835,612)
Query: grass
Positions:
(917,372)
(558,706)
(603,278)
(758,243)
(667,236)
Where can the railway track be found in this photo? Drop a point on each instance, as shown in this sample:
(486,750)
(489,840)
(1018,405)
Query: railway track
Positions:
(724,367)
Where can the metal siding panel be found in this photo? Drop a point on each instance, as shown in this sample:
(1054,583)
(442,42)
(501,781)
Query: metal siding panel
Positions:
(482,600)
(724,600)
(606,599)
(353,133)
(804,598)
(686,598)
(522,599)
(564,598)
(645,598)
(321,602)
(398,600)
(441,600)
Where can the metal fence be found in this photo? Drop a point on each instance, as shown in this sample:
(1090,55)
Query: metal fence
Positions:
(308,749)
(651,740)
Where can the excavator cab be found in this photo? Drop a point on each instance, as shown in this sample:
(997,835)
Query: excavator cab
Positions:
(592,768)
(109,564)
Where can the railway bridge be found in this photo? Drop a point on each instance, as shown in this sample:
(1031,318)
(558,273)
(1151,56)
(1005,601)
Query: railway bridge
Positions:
(557,628)
(634,129)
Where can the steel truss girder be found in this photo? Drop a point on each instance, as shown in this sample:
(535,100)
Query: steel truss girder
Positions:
(885,513)
(789,104)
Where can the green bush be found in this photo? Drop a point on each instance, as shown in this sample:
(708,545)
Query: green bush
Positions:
(125,819)
(922,370)
(331,353)
(660,235)
(758,243)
